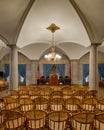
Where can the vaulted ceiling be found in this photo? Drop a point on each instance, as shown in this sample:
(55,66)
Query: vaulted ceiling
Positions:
(24,23)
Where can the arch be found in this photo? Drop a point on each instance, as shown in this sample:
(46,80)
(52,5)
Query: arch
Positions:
(84,21)
(57,50)
(23,19)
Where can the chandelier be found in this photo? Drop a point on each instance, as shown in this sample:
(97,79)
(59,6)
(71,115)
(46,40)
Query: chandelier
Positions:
(53,56)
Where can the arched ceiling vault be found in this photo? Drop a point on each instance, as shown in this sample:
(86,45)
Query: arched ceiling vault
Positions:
(84,20)
(24,23)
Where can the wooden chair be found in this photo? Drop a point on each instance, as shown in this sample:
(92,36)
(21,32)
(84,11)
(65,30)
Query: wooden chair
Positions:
(99,121)
(14,120)
(82,121)
(11,103)
(35,119)
(23,93)
(13,93)
(100,105)
(79,94)
(2,104)
(58,120)
(9,99)
(56,94)
(30,88)
(41,103)
(46,92)
(67,93)
(22,87)
(89,104)
(34,94)
(26,104)
(2,121)
(72,104)
(91,94)
(56,104)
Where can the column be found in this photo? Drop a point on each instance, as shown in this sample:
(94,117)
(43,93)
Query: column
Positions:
(34,66)
(74,72)
(93,68)
(13,67)
(37,70)
(28,73)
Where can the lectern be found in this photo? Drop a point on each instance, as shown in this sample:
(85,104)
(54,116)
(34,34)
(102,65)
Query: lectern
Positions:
(54,80)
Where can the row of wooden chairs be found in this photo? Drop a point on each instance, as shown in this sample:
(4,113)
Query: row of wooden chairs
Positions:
(56,120)
(51,94)
(71,104)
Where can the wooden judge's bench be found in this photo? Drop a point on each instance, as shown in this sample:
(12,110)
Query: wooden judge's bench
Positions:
(53,80)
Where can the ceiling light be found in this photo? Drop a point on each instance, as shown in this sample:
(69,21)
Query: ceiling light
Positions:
(53,56)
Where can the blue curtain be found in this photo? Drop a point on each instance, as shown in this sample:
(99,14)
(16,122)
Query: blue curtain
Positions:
(61,69)
(85,72)
(101,70)
(6,71)
(22,72)
(47,69)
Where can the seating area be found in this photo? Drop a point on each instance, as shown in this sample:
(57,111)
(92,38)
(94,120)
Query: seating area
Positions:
(51,108)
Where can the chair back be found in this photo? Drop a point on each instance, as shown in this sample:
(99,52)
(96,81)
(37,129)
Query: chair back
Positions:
(14,119)
(99,121)
(56,104)
(2,104)
(41,103)
(82,121)
(26,104)
(13,93)
(100,105)
(72,104)
(2,121)
(56,94)
(89,104)
(58,120)
(35,119)
(11,103)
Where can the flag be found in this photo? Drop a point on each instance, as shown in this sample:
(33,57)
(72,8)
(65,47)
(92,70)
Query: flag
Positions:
(70,73)
(38,73)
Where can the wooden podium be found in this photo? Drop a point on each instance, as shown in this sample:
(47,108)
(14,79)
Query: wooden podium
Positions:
(54,80)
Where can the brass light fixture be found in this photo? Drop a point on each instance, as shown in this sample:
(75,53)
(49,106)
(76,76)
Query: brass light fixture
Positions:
(53,56)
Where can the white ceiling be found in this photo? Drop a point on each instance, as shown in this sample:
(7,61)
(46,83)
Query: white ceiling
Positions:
(24,23)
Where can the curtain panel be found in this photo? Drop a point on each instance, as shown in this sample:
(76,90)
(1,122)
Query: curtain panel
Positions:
(21,72)
(6,74)
(47,69)
(86,71)
(101,71)
(61,69)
